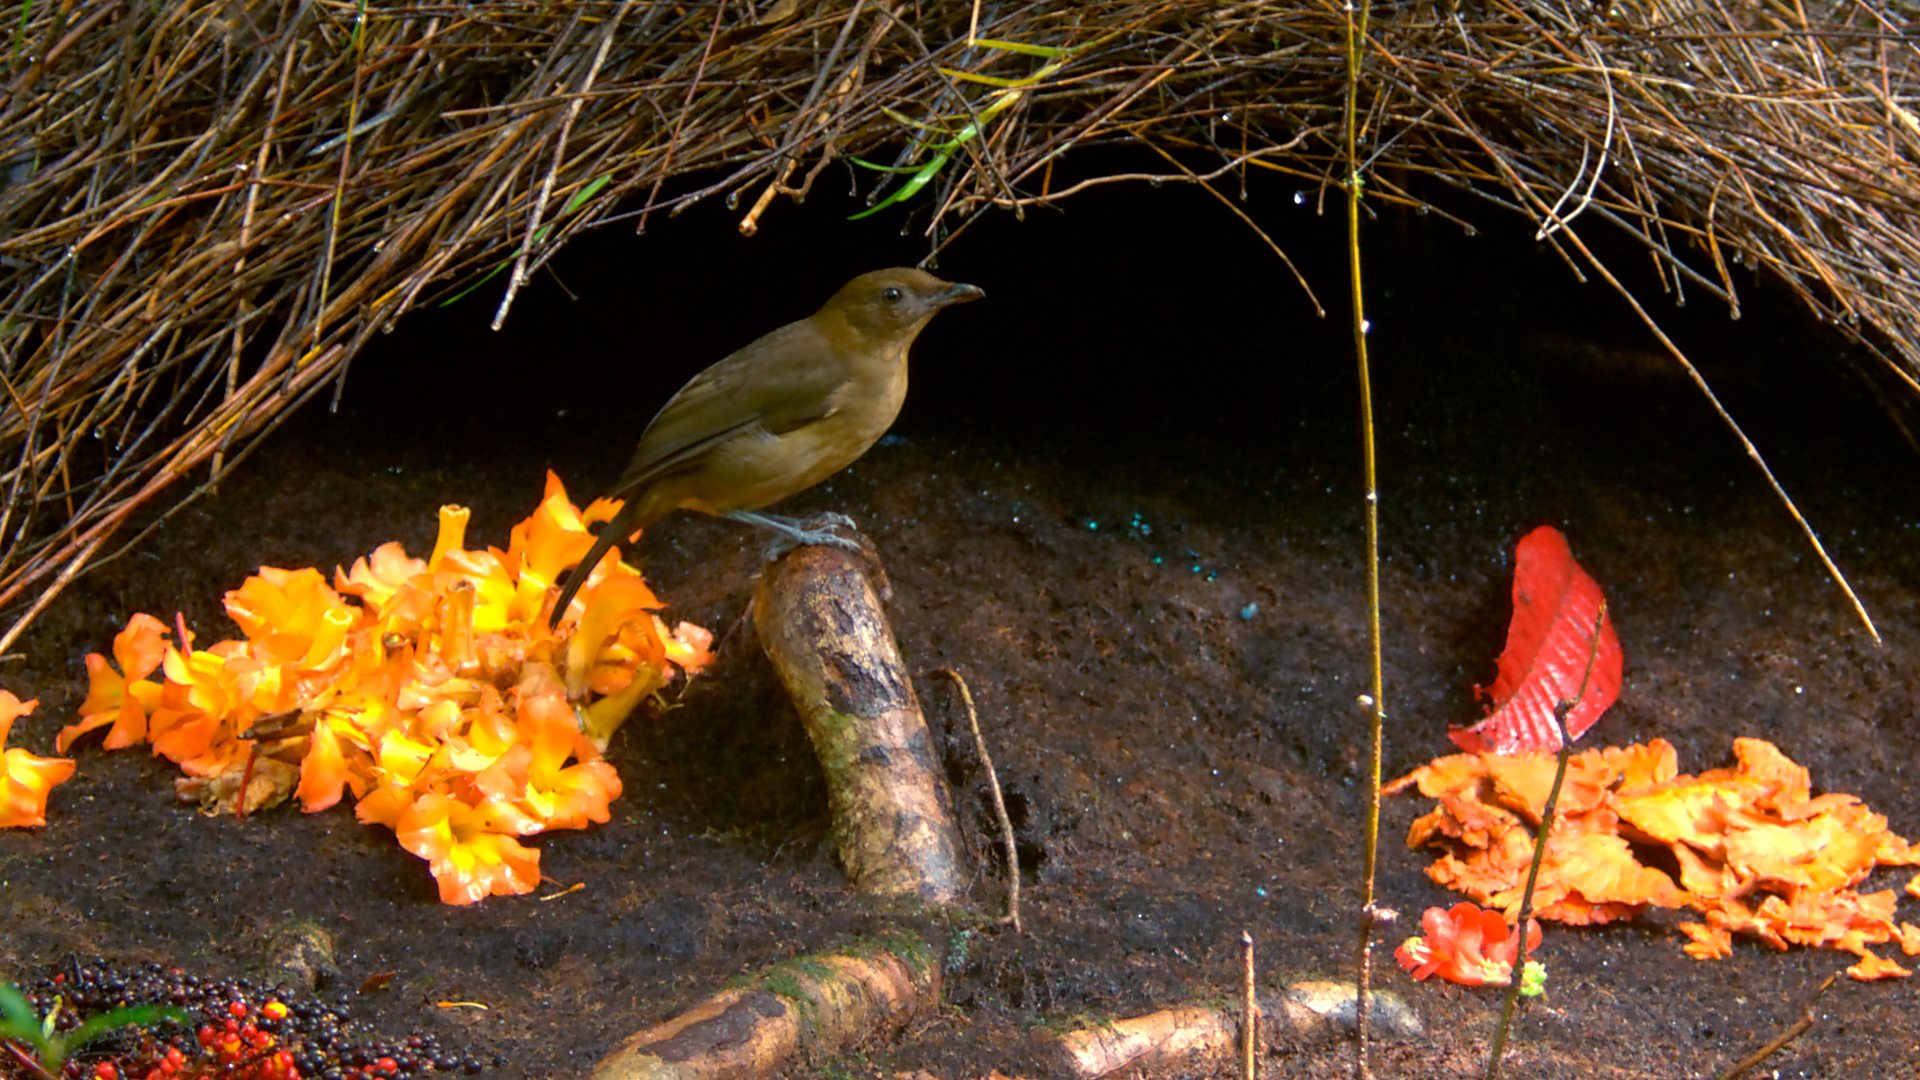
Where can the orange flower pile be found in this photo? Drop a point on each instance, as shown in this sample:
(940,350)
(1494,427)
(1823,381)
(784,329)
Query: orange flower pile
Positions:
(1758,853)
(431,689)
(1470,945)
(27,778)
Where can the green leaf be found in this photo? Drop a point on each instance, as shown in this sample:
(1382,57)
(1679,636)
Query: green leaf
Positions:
(580,197)
(1533,979)
(20,1022)
(992,80)
(908,121)
(865,164)
(137,1016)
(908,189)
(1021,47)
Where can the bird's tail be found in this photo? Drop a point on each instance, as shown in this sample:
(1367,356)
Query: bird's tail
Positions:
(613,532)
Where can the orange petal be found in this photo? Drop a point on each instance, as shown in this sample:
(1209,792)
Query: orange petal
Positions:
(140,646)
(323,771)
(377,577)
(27,777)
(1454,772)
(1873,967)
(608,605)
(690,647)
(72,732)
(1642,764)
(1707,942)
(469,861)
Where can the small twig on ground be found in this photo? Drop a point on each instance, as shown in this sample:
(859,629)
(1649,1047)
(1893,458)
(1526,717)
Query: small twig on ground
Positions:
(999,803)
(1773,1045)
(1560,710)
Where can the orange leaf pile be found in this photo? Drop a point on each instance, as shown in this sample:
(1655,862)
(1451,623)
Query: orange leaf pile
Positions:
(26,778)
(1758,853)
(431,690)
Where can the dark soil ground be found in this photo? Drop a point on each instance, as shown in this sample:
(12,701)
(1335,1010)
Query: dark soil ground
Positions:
(1125,500)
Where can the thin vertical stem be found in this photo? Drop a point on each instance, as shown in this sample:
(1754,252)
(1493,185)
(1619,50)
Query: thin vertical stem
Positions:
(1357,18)
(1560,711)
(1249,1009)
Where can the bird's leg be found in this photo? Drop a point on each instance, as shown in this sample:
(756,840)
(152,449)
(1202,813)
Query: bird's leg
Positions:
(796,533)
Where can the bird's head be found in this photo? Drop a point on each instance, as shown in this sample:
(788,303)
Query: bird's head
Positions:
(893,305)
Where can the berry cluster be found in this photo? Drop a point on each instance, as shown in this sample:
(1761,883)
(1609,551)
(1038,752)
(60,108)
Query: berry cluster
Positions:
(236,1031)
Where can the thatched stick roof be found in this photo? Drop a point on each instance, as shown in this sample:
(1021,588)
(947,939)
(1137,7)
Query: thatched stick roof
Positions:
(206,210)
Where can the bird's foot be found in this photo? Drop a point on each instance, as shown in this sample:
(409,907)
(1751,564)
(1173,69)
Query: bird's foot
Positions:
(816,532)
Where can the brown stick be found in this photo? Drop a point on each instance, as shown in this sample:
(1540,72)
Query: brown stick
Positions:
(1772,1046)
(1208,1035)
(1007,840)
(810,1006)
(820,621)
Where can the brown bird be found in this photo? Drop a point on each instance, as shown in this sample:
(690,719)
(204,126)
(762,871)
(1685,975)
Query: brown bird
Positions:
(779,416)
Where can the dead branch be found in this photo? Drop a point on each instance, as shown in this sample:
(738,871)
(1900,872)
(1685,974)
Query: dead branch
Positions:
(1207,1035)
(819,619)
(805,1008)
(1007,842)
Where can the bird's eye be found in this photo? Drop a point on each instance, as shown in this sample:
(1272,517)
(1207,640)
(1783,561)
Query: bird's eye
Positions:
(890,294)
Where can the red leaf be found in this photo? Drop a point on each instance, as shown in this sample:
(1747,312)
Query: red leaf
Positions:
(1555,606)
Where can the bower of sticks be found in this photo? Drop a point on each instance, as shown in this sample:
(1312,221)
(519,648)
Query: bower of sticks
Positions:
(280,279)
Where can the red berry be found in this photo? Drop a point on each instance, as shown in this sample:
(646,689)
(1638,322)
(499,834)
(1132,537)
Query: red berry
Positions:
(238,1008)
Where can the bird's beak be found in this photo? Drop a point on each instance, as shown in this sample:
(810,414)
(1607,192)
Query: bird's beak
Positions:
(957,293)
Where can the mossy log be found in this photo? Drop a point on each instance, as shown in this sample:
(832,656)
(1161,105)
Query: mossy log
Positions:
(820,620)
(807,1008)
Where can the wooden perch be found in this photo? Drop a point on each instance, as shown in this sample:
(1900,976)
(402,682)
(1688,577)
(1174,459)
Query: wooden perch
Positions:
(811,1007)
(1195,1034)
(820,621)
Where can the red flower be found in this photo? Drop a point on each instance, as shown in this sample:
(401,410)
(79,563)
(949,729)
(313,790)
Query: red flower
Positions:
(1466,944)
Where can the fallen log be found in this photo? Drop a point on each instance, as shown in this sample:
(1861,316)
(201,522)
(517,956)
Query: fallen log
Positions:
(1207,1034)
(820,620)
(806,1008)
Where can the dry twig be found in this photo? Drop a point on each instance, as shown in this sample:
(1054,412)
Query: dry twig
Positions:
(1007,841)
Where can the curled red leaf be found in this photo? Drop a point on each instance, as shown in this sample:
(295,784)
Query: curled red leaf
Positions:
(1556,606)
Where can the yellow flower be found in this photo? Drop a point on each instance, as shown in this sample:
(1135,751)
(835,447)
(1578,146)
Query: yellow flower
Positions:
(27,777)
(470,848)
(122,698)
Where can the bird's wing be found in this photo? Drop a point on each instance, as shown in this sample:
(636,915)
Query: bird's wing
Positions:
(783,381)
